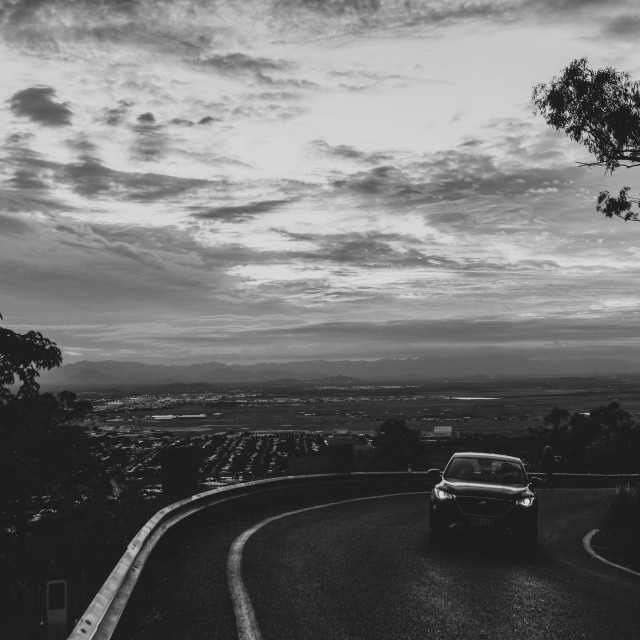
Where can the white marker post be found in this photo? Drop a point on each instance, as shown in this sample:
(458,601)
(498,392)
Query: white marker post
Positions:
(57,609)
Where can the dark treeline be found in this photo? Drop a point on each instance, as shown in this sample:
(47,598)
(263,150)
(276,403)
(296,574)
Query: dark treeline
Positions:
(604,440)
(63,514)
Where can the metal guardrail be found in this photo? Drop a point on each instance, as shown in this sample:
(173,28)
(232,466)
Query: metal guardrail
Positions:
(589,480)
(101,617)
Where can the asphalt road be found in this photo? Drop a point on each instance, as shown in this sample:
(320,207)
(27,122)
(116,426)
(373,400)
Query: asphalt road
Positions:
(364,570)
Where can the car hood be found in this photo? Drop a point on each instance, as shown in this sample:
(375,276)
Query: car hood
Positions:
(460,488)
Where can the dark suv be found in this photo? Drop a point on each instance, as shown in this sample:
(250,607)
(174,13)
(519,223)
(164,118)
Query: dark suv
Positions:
(483,493)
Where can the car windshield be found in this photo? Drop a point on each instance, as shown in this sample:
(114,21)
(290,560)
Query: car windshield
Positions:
(486,470)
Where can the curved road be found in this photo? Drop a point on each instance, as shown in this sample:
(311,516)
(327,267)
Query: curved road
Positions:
(364,570)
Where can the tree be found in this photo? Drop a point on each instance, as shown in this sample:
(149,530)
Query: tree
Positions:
(599,109)
(43,452)
(54,488)
(22,355)
(397,446)
(554,432)
(614,443)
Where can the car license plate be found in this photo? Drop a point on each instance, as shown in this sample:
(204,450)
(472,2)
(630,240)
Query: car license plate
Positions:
(479,521)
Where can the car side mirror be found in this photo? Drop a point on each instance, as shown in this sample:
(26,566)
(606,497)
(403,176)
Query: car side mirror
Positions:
(434,474)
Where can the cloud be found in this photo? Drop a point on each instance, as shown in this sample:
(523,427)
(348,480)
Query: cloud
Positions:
(571,6)
(372,250)
(263,70)
(515,161)
(290,83)
(390,252)
(17,11)
(116,115)
(240,212)
(86,149)
(146,118)
(349,152)
(151,142)
(383,179)
(181,122)
(622,26)
(615,18)
(126,271)
(487,331)
(383,215)
(476,340)
(34,175)
(234,63)
(38,104)
(361,79)
(381,14)
(274,20)
(12,225)
(90,178)
(339,6)
(27,180)
(543,190)
(271,111)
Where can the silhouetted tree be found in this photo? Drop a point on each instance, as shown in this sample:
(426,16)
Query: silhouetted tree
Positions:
(397,446)
(613,440)
(599,109)
(180,471)
(22,356)
(554,432)
(557,418)
(53,487)
(604,440)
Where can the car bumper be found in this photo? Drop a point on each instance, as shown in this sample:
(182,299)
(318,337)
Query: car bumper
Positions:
(519,521)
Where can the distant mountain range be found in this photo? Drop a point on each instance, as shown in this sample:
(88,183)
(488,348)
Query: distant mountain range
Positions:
(111,374)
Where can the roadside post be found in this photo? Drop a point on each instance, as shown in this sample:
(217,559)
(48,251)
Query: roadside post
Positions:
(57,610)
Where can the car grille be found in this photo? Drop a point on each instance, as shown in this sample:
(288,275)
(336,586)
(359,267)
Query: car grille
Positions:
(483,506)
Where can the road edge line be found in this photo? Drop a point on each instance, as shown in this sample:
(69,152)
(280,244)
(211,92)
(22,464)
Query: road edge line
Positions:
(246,622)
(586,543)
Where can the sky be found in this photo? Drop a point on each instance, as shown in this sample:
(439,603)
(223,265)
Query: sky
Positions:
(273,180)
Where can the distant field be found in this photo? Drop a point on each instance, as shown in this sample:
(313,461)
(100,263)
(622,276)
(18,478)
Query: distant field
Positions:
(486,406)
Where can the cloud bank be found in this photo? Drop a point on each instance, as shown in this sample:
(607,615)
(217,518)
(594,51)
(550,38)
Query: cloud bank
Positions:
(290,179)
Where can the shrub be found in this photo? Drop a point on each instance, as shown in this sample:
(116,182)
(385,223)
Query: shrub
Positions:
(621,521)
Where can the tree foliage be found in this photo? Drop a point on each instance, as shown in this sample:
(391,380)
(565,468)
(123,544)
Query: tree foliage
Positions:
(54,488)
(46,458)
(22,356)
(397,446)
(599,109)
(605,440)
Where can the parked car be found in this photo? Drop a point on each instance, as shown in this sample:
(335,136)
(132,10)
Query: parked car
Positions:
(483,493)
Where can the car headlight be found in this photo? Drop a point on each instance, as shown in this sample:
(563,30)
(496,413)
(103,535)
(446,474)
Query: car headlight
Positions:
(527,501)
(441,494)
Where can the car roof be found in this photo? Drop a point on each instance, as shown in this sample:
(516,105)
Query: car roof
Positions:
(484,454)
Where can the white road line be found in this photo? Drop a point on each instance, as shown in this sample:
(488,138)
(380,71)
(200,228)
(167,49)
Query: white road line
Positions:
(245,616)
(586,543)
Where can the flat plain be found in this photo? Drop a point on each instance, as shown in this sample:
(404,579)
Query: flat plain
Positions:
(491,405)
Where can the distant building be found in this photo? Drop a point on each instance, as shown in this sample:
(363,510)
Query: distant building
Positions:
(443,432)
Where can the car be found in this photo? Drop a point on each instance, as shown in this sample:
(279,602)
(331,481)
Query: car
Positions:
(484,494)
